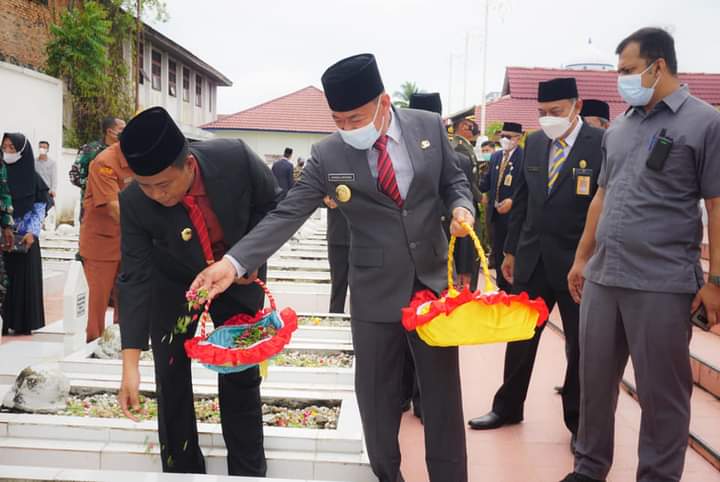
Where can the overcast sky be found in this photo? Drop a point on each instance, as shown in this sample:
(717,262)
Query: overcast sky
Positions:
(272,48)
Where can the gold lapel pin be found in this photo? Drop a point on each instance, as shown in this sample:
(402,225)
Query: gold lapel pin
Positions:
(424,144)
(583,164)
(343,193)
(186,234)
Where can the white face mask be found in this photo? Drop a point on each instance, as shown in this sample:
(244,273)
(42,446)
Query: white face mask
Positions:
(554,127)
(364,137)
(12,158)
(42,151)
(506,144)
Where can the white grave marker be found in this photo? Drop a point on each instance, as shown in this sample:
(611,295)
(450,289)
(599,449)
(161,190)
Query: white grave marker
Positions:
(75,308)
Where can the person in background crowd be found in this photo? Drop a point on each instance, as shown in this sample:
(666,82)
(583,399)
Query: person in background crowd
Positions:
(487,149)
(6,225)
(283,170)
(112,127)
(23,310)
(498,187)
(46,167)
(637,271)
(596,113)
(297,171)
(100,234)
(552,195)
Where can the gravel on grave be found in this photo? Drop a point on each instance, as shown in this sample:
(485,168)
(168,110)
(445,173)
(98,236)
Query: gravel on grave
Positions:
(323,321)
(276,413)
(313,359)
(302,359)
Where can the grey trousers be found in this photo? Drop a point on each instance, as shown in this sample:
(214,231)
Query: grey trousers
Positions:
(654,330)
(380,350)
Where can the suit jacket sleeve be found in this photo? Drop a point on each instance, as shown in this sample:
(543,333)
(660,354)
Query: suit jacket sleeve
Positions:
(454,185)
(135,280)
(518,212)
(265,190)
(280,224)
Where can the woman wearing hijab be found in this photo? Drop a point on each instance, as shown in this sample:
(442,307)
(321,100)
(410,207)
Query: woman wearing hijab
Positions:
(23,310)
(6,224)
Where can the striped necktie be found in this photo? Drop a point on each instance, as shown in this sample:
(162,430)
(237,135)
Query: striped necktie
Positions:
(387,183)
(501,174)
(198,221)
(557,162)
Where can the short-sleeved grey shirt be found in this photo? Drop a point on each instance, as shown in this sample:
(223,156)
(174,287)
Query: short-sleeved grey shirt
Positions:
(650,230)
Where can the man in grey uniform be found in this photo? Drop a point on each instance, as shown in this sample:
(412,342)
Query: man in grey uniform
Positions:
(637,267)
(387,169)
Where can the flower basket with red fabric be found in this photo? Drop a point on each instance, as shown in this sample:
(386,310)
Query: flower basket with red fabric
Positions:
(470,318)
(243,341)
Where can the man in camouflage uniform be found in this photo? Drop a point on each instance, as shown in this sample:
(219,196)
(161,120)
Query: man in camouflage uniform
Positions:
(111,127)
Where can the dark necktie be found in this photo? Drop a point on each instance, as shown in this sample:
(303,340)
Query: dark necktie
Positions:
(387,183)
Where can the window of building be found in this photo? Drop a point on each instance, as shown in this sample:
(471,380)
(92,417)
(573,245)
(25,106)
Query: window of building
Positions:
(186,85)
(141,62)
(172,78)
(198,90)
(210,97)
(156,70)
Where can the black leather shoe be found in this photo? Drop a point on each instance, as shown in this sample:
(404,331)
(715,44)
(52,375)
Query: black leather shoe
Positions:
(491,421)
(575,477)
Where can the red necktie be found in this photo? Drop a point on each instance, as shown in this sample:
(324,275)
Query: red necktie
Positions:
(198,221)
(387,183)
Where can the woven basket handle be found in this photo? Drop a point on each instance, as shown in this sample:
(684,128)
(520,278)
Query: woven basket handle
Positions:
(489,286)
(205,316)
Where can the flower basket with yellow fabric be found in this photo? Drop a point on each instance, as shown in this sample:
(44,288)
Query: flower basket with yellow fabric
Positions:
(471,318)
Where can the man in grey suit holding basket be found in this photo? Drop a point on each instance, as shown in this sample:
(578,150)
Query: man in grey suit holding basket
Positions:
(387,169)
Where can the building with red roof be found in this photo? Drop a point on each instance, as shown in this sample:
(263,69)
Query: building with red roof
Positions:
(295,120)
(518,102)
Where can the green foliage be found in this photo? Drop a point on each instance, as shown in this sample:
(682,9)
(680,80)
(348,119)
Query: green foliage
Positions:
(78,49)
(493,128)
(86,50)
(402,96)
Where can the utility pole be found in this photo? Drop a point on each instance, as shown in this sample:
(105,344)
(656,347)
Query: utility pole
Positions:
(450,85)
(138,69)
(483,116)
(467,70)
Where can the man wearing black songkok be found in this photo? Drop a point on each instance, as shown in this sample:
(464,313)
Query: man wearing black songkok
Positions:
(550,203)
(227,186)
(389,170)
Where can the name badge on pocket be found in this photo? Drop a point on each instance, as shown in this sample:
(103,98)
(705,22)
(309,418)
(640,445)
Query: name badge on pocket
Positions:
(508,180)
(583,178)
(341,177)
(533,168)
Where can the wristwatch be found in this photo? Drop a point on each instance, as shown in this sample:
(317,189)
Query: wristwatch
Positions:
(714,279)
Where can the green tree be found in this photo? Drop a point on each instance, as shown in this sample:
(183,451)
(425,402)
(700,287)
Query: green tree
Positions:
(86,51)
(402,96)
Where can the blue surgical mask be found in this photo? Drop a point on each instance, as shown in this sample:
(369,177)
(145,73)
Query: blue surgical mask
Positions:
(364,137)
(632,91)
(486,156)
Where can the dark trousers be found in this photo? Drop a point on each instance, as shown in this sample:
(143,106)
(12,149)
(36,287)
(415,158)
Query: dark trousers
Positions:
(500,230)
(240,412)
(520,355)
(339,266)
(380,350)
